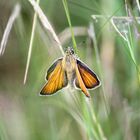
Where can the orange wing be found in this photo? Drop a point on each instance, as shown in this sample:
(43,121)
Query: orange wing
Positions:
(56,79)
(80,83)
(89,78)
(52,67)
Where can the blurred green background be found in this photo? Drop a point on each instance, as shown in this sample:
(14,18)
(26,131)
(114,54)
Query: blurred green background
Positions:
(112,113)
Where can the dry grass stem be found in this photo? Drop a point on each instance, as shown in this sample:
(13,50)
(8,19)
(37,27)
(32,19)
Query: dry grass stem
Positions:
(45,22)
(126,18)
(8,28)
(65,35)
(117,30)
(138,4)
(30,47)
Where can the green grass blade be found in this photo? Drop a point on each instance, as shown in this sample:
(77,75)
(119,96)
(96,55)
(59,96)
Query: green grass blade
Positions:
(69,22)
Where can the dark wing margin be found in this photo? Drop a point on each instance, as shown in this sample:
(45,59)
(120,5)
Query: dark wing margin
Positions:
(88,76)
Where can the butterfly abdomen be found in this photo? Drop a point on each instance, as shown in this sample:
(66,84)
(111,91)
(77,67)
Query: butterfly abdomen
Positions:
(71,77)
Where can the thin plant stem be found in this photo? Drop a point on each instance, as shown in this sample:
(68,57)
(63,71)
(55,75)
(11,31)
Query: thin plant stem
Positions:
(101,133)
(46,24)
(138,4)
(93,37)
(127,18)
(8,28)
(69,22)
(30,45)
(117,30)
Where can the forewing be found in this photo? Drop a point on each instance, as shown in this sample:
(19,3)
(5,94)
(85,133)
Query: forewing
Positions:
(88,76)
(52,67)
(56,80)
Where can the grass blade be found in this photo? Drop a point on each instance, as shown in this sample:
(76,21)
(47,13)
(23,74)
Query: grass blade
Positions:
(69,21)
(30,45)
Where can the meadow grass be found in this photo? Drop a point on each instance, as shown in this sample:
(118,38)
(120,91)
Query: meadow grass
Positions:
(111,50)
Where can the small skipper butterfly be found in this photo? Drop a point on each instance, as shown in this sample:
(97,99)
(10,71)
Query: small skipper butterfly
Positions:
(69,70)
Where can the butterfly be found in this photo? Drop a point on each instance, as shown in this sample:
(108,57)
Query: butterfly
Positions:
(69,70)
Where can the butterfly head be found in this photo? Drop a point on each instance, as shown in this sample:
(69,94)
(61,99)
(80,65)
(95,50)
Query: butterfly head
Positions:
(69,51)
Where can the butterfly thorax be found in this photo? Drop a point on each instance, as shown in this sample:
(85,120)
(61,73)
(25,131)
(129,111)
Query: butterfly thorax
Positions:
(69,64)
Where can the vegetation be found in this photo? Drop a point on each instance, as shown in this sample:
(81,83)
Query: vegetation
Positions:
(104,34)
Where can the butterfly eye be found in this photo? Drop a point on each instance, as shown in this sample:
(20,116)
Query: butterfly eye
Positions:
(72,51)
(69,51)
